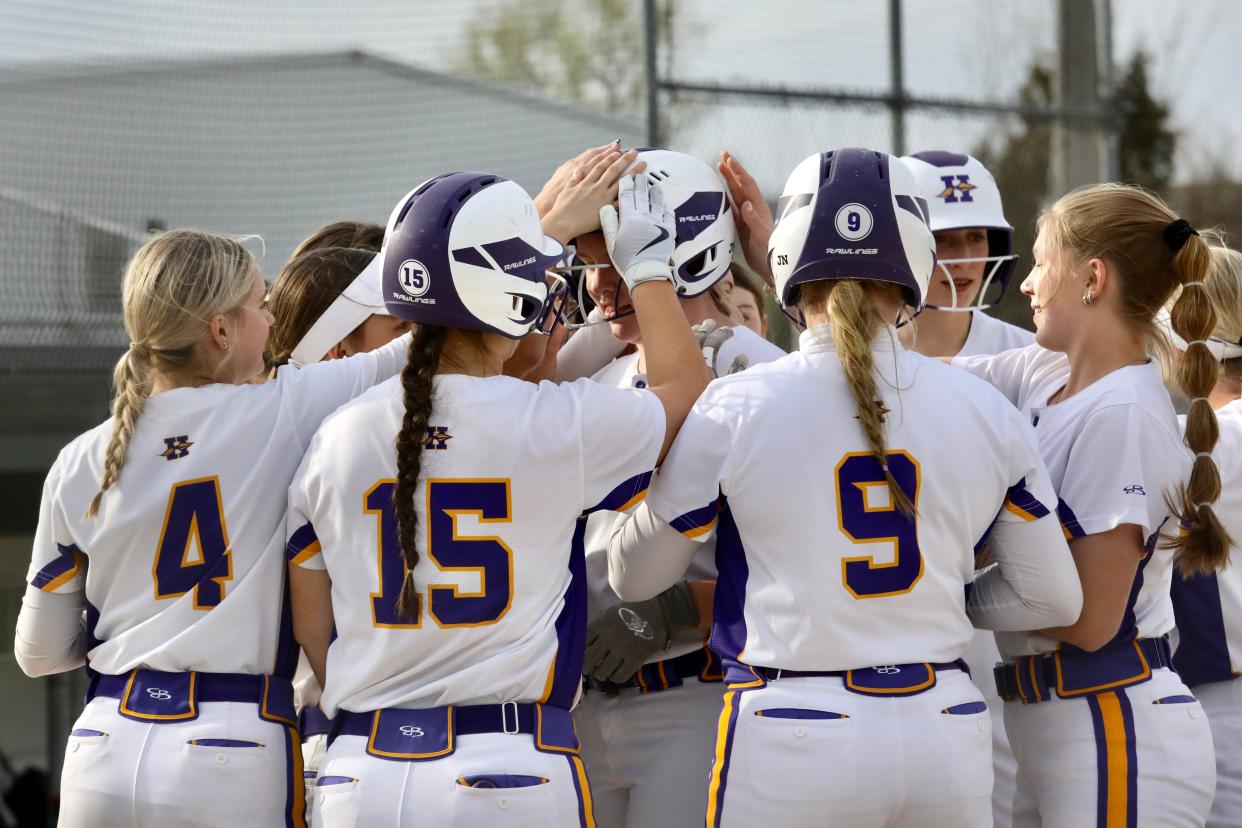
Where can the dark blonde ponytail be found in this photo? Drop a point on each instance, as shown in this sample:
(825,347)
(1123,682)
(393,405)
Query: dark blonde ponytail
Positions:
(426,348)
(1203,543)
(855,322)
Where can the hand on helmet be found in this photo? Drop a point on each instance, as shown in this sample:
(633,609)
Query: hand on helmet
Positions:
(621,638)
(710,338)
(572,172)
(642,238)
(593,185)
(755,227)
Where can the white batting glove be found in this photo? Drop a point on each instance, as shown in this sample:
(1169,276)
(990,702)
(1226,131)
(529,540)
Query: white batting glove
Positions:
(640,242)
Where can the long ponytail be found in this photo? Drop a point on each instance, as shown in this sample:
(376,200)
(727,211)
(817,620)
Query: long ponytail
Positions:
(426,348)
(855,323)
(1203,543)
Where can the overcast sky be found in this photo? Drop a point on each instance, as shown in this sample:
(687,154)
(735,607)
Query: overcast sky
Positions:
(954,48)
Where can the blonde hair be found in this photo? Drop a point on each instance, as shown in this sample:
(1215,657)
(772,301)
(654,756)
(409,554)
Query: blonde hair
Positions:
(855,323)
(1127,227)
(1223,284)
(172,287)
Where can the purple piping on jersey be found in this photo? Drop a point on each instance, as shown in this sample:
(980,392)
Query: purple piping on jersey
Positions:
(729,610)
(1069,520)
(571,627)
(584,820)
(286,646)
(1129,622)
(299,540)
(696,518)
(92,622)
(1019,497)
(621,496)
(70,558)
(1203,653)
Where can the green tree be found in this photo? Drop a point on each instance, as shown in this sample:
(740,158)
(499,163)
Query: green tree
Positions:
(1146,143)
(582,51)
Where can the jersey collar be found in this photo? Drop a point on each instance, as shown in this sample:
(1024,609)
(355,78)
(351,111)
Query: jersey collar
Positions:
(818,339)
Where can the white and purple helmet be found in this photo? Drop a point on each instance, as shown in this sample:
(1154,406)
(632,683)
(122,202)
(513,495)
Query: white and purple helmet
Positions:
(851,214)
(706,235)
(961,194)
(466,250)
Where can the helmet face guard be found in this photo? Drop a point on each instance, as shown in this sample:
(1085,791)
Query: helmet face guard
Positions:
(961,194)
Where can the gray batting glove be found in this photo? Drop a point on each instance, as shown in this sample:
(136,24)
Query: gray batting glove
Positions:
(621,638)
(641,240)
(710,338)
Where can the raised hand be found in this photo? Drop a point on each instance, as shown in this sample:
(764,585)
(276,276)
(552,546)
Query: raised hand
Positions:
(571,172)
(577,207)
(755,223)
(642,237)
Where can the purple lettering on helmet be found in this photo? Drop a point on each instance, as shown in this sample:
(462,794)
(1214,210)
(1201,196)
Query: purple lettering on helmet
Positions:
(940,158)
(697,213)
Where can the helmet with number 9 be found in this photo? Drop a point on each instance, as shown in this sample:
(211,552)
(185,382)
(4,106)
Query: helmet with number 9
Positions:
(466,250)
(851,214)
(961,194)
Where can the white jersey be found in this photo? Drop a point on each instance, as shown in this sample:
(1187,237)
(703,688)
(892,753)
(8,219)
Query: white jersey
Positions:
(1113,450)
(1208,608)
(989,335)
(507,470)
(623,373)
(818,571)
(183,566)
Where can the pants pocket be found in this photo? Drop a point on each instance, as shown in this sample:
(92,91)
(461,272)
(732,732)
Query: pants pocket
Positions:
(501,780)
(798,713)
(501,799)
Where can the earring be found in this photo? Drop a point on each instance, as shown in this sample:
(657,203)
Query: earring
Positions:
(1088,299)
(225,344)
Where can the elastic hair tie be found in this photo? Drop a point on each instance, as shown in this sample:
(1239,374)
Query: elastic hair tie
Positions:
(1194,400)
(1195,282)
(1206,454)
(1177,233)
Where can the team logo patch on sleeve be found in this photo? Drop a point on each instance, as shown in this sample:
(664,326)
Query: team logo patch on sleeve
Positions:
(176,447)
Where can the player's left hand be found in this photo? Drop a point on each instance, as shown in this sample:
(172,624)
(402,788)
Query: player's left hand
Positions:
(756,223)
(621,638)
(577,207)
(572,172)
(710,338)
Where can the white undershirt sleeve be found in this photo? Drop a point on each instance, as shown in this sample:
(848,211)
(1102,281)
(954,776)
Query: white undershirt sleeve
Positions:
(1033,585)
(51,632)
(647,556)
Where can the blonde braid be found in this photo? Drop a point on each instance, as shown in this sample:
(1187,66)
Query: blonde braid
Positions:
(854,323)
(132,380)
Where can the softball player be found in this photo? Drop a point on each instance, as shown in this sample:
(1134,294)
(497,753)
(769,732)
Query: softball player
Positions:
(839,606)
(448,575)
(165,525)
(975,261)
(1104,731)
(1208,606)
(654,688)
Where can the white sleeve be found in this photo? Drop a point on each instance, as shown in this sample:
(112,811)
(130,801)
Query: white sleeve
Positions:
(588,350)
(646,556)
(312,393)
(1035,582)
(686,492)
(746,342)
(1119,468)
(51,632)
(1006,371)
(302,544)
(622,431)
(56,563)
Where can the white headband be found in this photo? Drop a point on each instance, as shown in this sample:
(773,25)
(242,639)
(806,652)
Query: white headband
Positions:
(1220,349)
(361,299)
